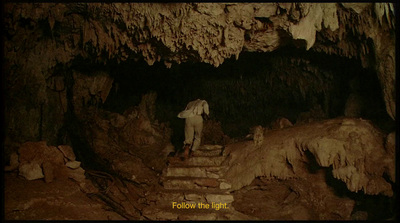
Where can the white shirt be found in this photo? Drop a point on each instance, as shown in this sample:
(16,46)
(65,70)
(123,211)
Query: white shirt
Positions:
(196,107)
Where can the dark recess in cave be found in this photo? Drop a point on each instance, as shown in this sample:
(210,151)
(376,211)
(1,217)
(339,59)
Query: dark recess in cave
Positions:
(312,164)
(377,206)
(72,131)
(253,90)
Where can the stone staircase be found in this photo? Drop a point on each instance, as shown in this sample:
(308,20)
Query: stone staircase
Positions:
(195,189)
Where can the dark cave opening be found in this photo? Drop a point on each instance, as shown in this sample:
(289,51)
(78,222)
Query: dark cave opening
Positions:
(253,90)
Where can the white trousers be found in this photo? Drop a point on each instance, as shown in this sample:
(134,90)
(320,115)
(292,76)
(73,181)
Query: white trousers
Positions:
(193,129)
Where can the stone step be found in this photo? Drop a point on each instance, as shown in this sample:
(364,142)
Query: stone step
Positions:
(197,161)
(209,150)
(211,147)
(201,152)
(190,183)
(194,183)
(199,171)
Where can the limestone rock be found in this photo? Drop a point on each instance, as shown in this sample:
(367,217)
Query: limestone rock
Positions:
(34,156)
(73,164)
(219,198)
(352,147)
(281,123)
(133,169)
(68,152)
(31,171)
(197,161)
(38,152)
(224,186)
(204,152)
(207,182)
(293,199)
(92,89)
(258,135)
(210,172)
(37,160)
(77,174)
(138,148)
(195,197)
(390,147)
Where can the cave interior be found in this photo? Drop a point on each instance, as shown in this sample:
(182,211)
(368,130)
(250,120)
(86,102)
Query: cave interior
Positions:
(255,88)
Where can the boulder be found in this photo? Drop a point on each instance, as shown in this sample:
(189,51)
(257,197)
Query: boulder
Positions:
(73,164)
(38,152)
(37,160)
(31,171)
(77,174)
(67,151)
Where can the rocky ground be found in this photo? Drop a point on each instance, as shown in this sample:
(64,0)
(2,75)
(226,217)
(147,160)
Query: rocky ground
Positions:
(58,200)
(293,199)
(46,182)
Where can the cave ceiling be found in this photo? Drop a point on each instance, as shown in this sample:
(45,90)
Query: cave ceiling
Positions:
(42,36)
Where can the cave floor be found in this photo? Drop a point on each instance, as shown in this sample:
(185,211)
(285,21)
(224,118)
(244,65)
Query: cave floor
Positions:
(200,179)
(61,199)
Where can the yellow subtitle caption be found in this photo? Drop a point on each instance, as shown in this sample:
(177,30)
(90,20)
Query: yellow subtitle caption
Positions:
(184,205)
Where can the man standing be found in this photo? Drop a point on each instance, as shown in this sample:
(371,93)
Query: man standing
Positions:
(194,114)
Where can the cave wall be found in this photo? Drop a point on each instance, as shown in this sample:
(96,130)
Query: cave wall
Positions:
(43,41)
(254,90)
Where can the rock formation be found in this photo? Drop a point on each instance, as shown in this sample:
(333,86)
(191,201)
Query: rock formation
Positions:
(36,160)
(353,148)
(131,144)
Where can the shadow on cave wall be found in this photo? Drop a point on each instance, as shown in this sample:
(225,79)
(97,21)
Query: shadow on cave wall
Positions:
(253,90)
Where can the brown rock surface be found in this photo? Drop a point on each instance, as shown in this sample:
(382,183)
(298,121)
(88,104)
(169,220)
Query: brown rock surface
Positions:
(39,152)
(68,152)
(293,199)
(136,149)
(354,149)
(58,200)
